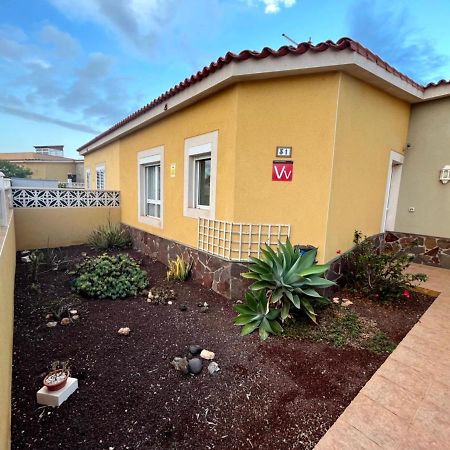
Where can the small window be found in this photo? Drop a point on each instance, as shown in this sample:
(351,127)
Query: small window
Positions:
(202,191)
(100,178)
(200,169)
(150,186)
(152,189)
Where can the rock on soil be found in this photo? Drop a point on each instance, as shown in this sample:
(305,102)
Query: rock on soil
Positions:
(65,321)
(213,368)
(52,324)
(206,354)
(180,364)
(195,349)
(125,331)
(195,365)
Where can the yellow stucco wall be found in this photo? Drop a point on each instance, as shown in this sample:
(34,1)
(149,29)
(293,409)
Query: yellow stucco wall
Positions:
(370,124)
(50,171)
(109,157)
(59,227)
(7,272)
(299,112)
(214,113)
(341,131)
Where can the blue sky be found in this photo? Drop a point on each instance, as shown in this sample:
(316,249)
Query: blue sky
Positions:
(71,68)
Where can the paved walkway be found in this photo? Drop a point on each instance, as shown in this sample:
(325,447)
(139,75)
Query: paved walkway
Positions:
(406,404)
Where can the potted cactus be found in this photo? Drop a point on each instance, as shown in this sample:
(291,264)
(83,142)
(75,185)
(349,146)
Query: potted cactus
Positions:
(57,378)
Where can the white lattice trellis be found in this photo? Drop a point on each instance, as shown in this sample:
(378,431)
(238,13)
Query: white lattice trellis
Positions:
(64,198)
(238,241)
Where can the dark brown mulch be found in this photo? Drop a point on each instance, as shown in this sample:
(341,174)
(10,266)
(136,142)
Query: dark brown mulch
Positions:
(283,393)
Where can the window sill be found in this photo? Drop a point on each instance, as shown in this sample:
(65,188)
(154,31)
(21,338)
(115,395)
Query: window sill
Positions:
(152,221)
(195,213)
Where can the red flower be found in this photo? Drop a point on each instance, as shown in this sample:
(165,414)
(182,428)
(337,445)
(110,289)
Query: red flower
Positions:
(338,251)
(406,294)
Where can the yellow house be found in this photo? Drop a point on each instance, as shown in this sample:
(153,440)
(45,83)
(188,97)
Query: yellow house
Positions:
(297,142)
(47,167)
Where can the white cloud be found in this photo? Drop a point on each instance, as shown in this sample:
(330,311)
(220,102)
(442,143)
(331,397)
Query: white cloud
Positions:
(135,22)
(273,6)
(64,44)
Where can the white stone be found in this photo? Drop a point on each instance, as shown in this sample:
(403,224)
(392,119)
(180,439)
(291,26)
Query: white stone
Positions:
(75,317)
(52,324)
(169,302)
(206,354)
(125,331)
(347,302)
(73,311)
(56,398)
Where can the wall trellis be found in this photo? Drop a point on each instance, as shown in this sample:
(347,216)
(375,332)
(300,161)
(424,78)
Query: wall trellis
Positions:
(64,198)
(238,241)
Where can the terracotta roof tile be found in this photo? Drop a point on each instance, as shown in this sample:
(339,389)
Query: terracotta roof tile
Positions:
(342,44)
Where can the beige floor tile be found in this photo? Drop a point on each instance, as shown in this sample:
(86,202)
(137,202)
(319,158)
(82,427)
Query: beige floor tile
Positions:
(419,361)
(405,376)
(393,397)
(343,436)
(376,422)
(419,439)
(439,394)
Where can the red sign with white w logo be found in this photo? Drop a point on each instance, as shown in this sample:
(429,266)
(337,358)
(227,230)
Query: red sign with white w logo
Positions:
(282,170)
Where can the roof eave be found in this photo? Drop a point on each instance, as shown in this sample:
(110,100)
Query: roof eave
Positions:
(346,61)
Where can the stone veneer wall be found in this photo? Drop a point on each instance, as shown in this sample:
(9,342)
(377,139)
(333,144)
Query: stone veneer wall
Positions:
(224,276)
(433,251)
(210,271)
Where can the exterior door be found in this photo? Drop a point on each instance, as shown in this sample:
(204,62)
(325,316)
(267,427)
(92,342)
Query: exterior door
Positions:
(392,191)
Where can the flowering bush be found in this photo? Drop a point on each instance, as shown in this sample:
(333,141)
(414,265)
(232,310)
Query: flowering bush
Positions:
(376,274)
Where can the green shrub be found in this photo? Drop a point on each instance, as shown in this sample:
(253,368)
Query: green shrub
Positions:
(110,236)
(109,277)
(256,314)
(378,275)
(288,278)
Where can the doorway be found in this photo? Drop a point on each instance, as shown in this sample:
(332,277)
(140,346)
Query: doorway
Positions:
(392,191)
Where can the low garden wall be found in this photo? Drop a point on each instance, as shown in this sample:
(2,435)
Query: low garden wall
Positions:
(48,218)
(59,227)
(7,273)
(433,251)
(223,277)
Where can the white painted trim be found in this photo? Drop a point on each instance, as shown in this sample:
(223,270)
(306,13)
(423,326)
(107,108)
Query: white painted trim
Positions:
(393,157)
(202,144)
(153,155)
(346,61)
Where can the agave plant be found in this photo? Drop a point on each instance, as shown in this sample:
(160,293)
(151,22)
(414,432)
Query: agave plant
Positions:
(255,313)
(290,278)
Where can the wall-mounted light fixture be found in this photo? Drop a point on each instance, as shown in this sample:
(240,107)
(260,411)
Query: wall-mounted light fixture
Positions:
(444,175)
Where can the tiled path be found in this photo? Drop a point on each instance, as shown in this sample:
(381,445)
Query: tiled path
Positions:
(406,404)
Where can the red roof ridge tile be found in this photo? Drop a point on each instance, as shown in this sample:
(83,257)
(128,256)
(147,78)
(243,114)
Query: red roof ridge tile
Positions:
(341,44)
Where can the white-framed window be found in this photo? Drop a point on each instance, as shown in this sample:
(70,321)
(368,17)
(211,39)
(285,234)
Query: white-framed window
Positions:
(150,186)
(100,177)
(87,179)
(200,172)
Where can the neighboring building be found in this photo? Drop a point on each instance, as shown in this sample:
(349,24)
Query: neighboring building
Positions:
(54,150)
(201,166)
(48,167)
